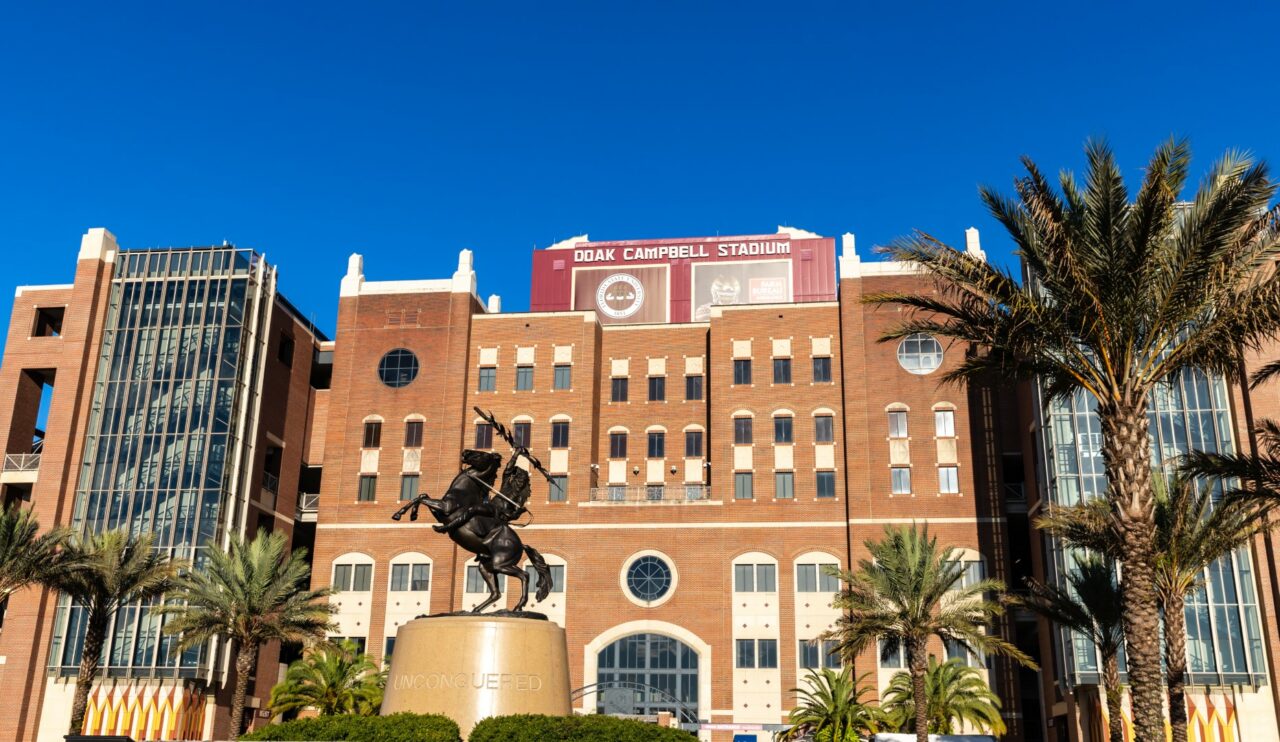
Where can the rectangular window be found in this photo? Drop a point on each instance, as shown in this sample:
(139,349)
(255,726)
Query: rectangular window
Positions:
(784,483)
(944,423)
(742,431)
(619,390)
(557,578)
(831,654)
(558,488)
(399,578)
(523,434)
(821,370)
(475,583)
(387,650)
(357,641)
(693,443)
(742,371)
(408,487)
(563,377)
(484,436)
(524,378)
(826,481)
(746,654)
(657,388)
(742,485)
(828,582)
(617,493)
(285,351)
(488,380)
(368,488)
(744,578)
(362,578)
(657,445)
(617,445)
(897,424)
(957,651)
(372,435)
(766,578)
(782,370)
(655,493)
(560,434)
(413,434)
(693,388)
(816,578)
(949,480)
(342,577)
(782,430)
(807,651)
(901,480)
(420,578)
(768,653)
(824,429)
(890,660)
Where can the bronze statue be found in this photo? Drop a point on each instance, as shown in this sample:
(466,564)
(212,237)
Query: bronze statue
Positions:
(480,518)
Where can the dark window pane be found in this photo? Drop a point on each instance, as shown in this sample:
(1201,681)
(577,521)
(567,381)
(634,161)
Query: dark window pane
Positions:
(484,436)
(826,484)
(617,445)
(657,445)
(408,487)
(785,485)
(693,387)
(821,370)
(824,429)
(413,434)
(742,431)
(524,378)
(368,488)
(742,371)
(746,653)
(693,443)
(558,489)
(782,370)
(372,435)
(619,390)
(560,435)
(564,377)
(742,485)
(768,653)
(522,433)
(398,368)
(657,388)
(782,430)
(488,379)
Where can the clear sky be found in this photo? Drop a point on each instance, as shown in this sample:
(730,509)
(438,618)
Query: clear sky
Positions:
(407,132)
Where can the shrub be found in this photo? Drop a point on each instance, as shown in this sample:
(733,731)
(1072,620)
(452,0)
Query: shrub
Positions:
(593,728)
(348,728)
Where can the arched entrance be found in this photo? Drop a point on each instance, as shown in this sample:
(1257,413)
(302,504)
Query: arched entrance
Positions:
(646,674)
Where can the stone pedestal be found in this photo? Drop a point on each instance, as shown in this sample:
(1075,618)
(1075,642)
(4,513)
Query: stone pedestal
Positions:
(475,666)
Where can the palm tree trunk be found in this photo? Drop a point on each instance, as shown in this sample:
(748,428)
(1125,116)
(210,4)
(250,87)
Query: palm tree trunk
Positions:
(1126,455)
(1175,659)
(95,634)
(1115,697)
(917,662)
(245,660)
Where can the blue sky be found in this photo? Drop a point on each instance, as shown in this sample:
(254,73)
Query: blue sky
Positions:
(406,132)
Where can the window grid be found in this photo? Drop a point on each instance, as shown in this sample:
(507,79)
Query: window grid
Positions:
(742,431)
(782,370)
(408,487)
(898,424)
(693,388)
(558,488)
(784,483)
(488,380)
(657,388)
(560,434)
(824,429)
(901,480)
(742,485)
(944,423)
(368,488)
(618,389)
(413,434)
(821,370)
(484,436)
(782,430)
(522,433)
(742,371)
(826,484)
(372,435)
(524,378)
(657,445)
(563,377)
(617,445)
(693,444)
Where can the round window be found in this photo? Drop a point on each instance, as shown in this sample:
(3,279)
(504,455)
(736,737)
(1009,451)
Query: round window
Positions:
(398,368)
(920,354)
(649,578)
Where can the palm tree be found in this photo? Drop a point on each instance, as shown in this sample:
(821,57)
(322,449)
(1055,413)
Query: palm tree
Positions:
(1190,533)
(106,571)
(248,595)
(332,680)
(831,708)
(1123,295)
(26,556)
(909,591)
(1090,605)
(955,695)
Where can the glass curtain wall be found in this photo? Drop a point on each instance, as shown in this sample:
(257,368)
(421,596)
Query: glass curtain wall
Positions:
(170,430)
(1224,644)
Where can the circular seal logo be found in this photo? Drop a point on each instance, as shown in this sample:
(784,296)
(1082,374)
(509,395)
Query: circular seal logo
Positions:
(620,295)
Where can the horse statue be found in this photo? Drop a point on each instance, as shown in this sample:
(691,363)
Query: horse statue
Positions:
(482,524)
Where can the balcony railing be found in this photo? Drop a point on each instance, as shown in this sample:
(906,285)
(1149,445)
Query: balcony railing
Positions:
(652,493)
(21,461)
(270,482)
(308,505)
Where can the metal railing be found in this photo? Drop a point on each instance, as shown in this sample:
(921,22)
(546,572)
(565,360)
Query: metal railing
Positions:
(270,482)
(21,461)
(308,502)
(652,493)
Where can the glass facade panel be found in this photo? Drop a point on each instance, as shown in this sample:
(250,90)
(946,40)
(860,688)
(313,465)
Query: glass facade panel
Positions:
(173,408)
(1190,413)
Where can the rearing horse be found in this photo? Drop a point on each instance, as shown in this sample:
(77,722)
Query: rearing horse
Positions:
(472,521)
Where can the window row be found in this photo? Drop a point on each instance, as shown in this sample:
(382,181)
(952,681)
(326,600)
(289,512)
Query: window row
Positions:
(944,424)
(763,578)
(487,378)
(824,430)
(657,444)
(782,370)
(784,485)
(620,388)
(373,434)
(948,480)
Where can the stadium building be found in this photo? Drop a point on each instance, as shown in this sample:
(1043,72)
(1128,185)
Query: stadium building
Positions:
(720,422)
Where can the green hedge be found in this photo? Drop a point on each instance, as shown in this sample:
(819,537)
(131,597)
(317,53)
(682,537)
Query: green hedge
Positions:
(394,728)
(594,728)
